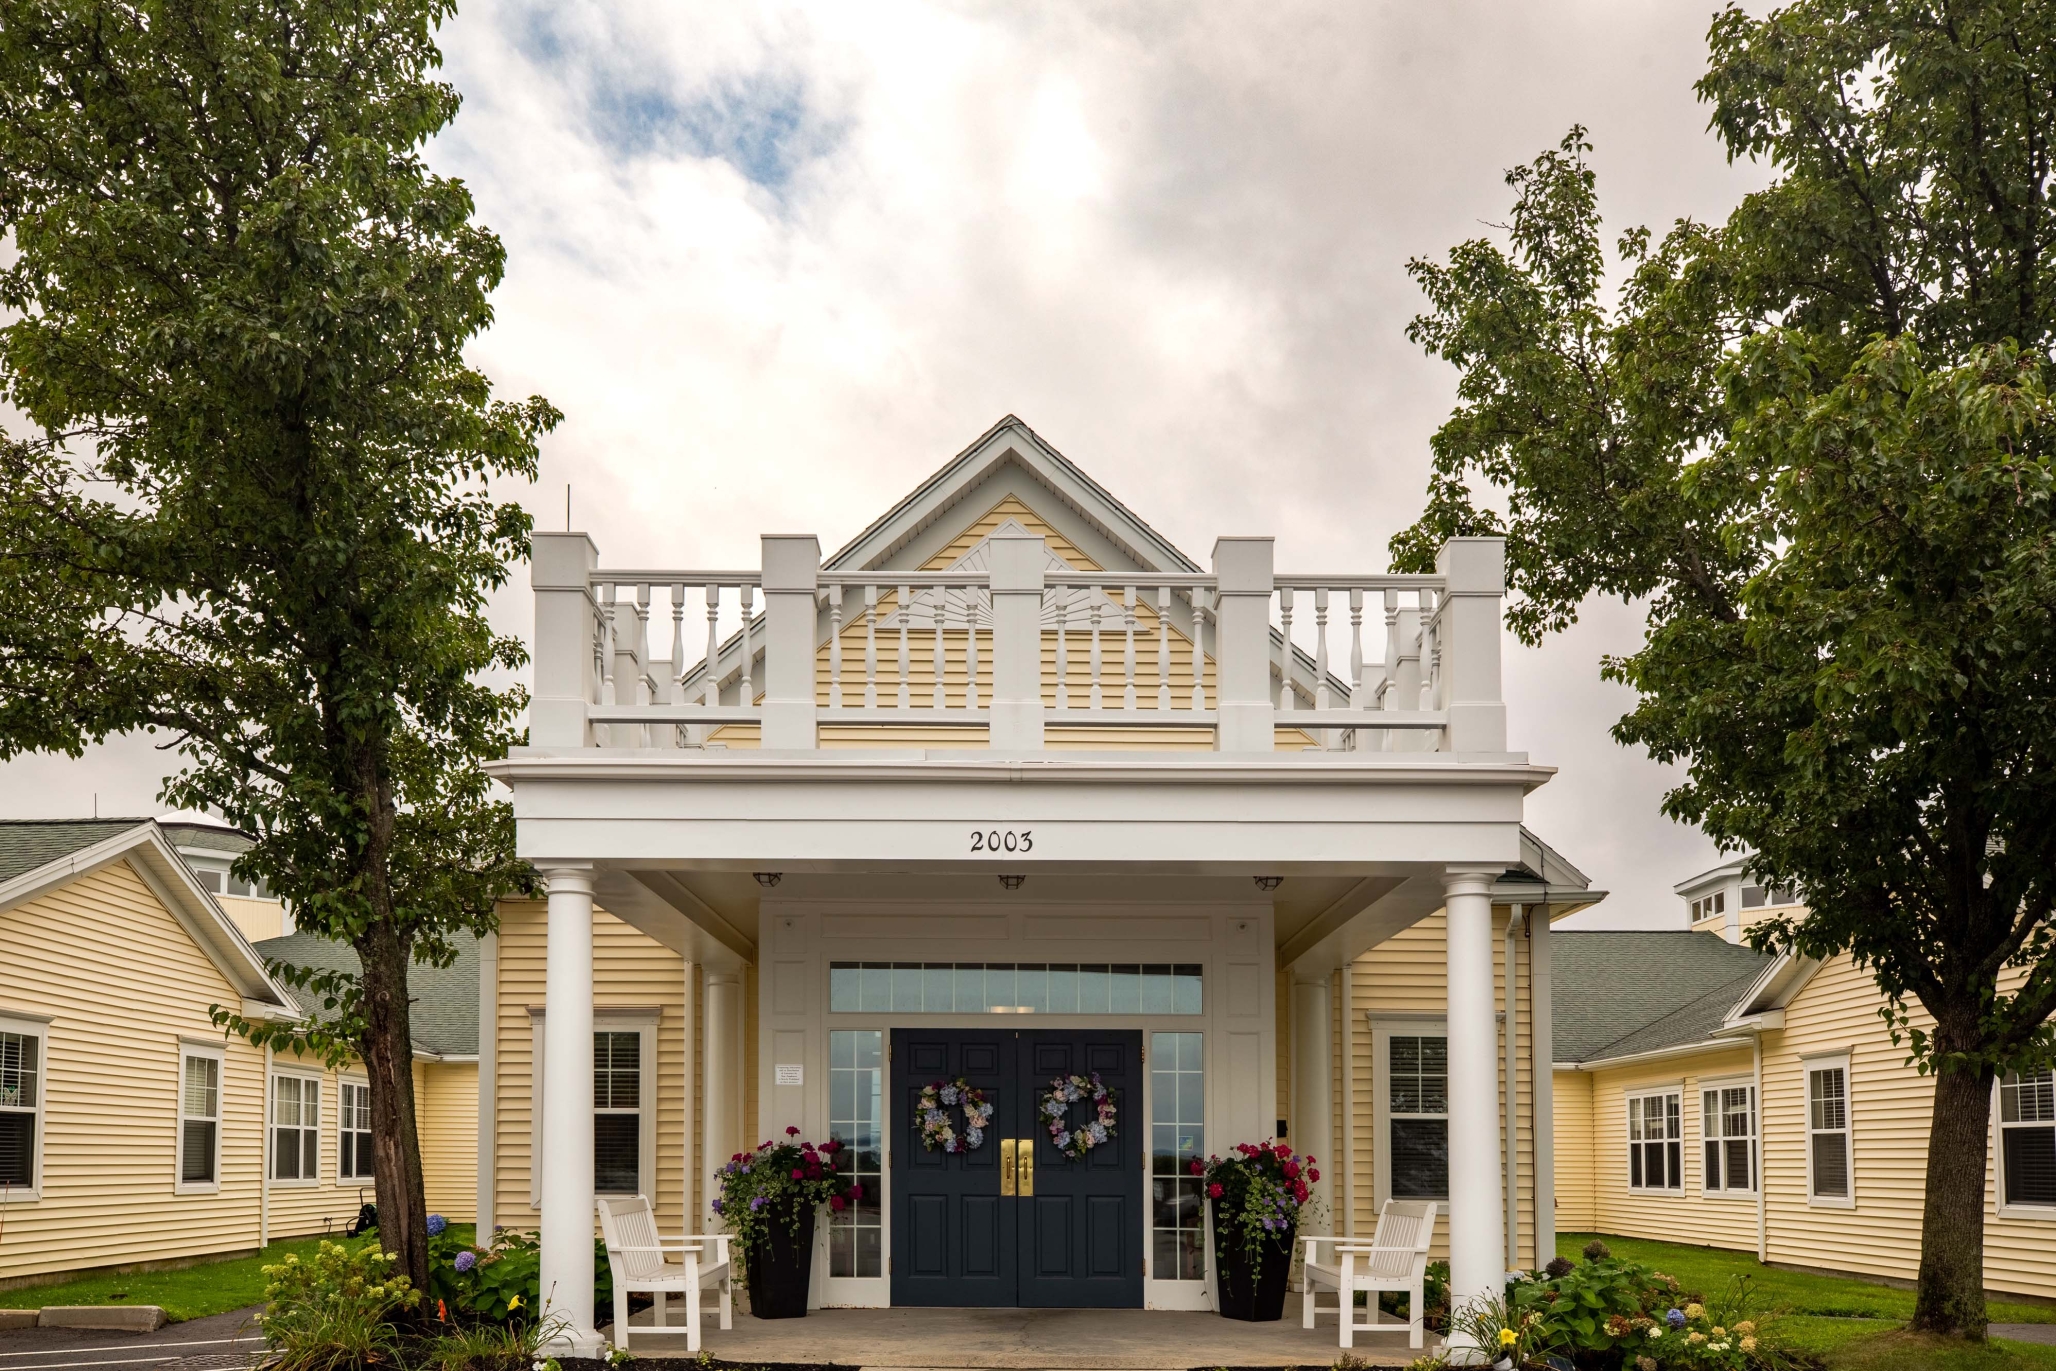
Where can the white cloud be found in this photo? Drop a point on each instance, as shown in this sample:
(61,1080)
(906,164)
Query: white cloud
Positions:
(778,263)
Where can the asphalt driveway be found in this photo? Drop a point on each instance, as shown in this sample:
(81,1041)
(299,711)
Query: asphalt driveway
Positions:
(219,1342)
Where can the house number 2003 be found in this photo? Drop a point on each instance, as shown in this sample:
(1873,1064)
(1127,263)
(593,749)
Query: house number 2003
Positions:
(1002,840)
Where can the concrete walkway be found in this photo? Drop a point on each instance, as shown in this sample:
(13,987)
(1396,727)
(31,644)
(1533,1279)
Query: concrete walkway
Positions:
(220,1342)
(1074,1339)
(2043,1333)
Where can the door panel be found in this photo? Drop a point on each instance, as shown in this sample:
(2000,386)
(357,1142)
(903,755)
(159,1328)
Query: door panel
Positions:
(953,1237)
(1082,1237)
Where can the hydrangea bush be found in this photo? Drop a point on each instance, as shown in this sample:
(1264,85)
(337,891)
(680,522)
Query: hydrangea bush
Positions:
(1260,1192)
(1604,1313)
(779,1183)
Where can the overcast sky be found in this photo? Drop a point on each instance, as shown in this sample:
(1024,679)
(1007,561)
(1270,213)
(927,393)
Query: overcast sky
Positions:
(777,264)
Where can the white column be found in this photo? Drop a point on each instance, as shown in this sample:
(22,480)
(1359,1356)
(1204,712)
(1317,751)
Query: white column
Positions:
(1476,568)
(1018,563)
(691,1152)
(1313,1095)
(560,566)
(1477,1236)
(1542,1055)
(724,1076)
(1242,644)
(488,1080)
(792,569)
(567,1132)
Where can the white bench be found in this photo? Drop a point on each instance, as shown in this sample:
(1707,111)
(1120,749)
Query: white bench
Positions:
(643,1264)
(1396,1258)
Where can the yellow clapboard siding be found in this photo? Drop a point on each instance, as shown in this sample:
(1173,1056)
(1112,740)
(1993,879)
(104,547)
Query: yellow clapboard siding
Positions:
(988,523)
(447,1103)
(1575,1212)
(1687,1214)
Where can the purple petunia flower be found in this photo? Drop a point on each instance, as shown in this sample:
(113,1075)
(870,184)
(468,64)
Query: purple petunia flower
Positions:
(466,1260)
(757,1203)
(717,1206)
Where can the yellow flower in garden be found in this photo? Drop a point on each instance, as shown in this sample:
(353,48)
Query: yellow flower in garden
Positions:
(1748,1344)
(513,1304)
(1695,1311)
(1745,1328)
(1507,1337)
(1720,1332)
(1695,1338)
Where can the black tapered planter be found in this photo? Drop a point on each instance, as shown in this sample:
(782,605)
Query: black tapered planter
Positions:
(781,1266)
(1250,1286)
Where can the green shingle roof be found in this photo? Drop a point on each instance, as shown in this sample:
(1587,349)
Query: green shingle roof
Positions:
(445,1014)
(26,844)
(1620,993)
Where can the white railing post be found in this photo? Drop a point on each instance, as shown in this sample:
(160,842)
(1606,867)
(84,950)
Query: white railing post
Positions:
(560,572)
(792,573)
(1469,643)
(1018,562)
(1242,644)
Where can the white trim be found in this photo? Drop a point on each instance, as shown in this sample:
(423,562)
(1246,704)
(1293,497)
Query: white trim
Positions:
(37,1028)
(2032,1213)
(1668,1090)
(347,1079)
(280,1071)
(1744,1081)
(189,1050)
(1382,1030)
(1808,1065)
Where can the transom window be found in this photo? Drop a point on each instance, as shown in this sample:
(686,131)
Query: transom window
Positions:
(1013,988)
(20,1105)
(199,1124)
(354,1163)
(1827,1129)
(1417,1115)
(617,1112)
(1177,1091)
(1710,906)
(856,1087)
(295,1128)
(1656,1149)
(2027,1138)
(1728,1135)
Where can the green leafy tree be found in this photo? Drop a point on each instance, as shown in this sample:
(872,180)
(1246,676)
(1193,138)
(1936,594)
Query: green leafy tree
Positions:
(250,511)
(1816,442)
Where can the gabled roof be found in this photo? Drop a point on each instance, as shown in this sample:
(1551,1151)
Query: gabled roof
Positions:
(1010,440)
(1624,993)
(445,1012)
(41,855)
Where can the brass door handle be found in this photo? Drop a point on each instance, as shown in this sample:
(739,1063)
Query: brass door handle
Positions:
(1006,1166)
(1024,1168)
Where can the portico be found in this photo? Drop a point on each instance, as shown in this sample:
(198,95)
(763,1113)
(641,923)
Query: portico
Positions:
(1008,790)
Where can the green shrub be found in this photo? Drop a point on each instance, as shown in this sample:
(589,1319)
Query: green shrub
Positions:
(501,1283)
(334,1311)
(1607,1313)
(515,1346)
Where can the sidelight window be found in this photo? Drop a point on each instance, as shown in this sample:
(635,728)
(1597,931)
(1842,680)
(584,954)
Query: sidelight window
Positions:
(856,1082)
(1177,1089)
(1014,988)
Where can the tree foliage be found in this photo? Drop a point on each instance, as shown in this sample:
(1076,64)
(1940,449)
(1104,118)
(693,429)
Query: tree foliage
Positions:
(251,511)
(1817,440)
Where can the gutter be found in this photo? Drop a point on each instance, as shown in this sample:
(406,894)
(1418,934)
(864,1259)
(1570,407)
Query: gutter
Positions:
(1655,1054)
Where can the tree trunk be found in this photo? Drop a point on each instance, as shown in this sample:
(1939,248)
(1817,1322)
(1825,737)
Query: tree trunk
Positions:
(388,1052)
(1951,1298)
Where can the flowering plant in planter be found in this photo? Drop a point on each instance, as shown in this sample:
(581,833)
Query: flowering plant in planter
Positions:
(1260,1193)
(781,1183)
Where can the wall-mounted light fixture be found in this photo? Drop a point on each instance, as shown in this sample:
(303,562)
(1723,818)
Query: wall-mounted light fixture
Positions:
(767,879)
(1268,882)
(1012,882)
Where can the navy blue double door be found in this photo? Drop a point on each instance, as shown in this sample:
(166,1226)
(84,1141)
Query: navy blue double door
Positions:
(963,1233)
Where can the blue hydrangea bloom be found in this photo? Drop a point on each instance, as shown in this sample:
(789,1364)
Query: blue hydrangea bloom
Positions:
(1676,1318)
(436,1224)
(466,1259)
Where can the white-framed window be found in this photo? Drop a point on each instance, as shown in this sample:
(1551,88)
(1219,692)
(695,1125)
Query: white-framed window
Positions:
(1830,1157)
(1177,1087)
(1411,1107)
(1727,1133)
(2027,1142)
(1656,1146)
(856,1118)
(22,1075)
(295,1128)
(353,1131)
(1711,905)
(624,1101)
(200,1070)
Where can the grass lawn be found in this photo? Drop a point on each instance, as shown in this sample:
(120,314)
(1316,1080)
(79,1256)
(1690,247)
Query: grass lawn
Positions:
(189,1292)
(1852,1323)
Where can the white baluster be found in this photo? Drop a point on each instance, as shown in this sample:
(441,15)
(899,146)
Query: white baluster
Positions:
(870,647)
(1097,700)
(1391,681)
(1163,609)
(748,695)
(906,697)
(835,646)
(1321,696)
(1356,648)
(1285,701)
(1128,656)
(971,647)
(710,687)
(676,664)
(608,647)
(1063,612)
(1198,647)
(937,612)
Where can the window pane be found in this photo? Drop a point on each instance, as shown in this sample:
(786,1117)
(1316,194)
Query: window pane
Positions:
(1831,1164)
(1420,1159)
(17,1149)
(197,1163)
(1126,990)
(1156,989)
(842,988)
(855,1083)
(999,987)
(1063,990)
(1738,1168)
(202,1089)
(1177,1083)
(1713,1154)
(310,1153)
(1095,990)
(1031,989)
(2030,1165)
(970,987)
(18,1053)
(617,1152)
(1826,1100)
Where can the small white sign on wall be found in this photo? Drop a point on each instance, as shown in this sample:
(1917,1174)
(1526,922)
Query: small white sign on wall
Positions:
(789,1073)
